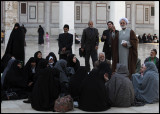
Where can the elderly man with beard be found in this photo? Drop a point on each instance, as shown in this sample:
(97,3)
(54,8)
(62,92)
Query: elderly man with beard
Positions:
(125,48)
(153,58)
(101,59)
(89,44)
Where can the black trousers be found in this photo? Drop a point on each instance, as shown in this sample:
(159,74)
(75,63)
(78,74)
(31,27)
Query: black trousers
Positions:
(63,56)
(108,53)
(93,54)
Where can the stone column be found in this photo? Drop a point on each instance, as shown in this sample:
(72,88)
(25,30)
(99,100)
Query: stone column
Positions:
(66,16)
(93,14)
(156,18)
(133,17)
(11,17)
(117,11)
(47,17)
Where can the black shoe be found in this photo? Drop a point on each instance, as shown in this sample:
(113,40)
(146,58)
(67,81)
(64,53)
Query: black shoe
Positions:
(28,101)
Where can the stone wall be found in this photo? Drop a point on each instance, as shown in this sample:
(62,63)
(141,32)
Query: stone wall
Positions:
(50,22)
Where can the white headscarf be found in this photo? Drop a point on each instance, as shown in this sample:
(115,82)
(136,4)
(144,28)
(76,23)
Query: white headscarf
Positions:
(50,57)
(123,18)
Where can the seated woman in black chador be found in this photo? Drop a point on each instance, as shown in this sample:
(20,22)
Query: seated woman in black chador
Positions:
(72,61)
(46,89)
(39,68)
(38,56)
(30,71)
(15,82)
(93,93)
(76,81)
(64,77)
(52,59)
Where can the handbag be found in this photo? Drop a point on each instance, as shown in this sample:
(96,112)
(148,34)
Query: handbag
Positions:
(63,104)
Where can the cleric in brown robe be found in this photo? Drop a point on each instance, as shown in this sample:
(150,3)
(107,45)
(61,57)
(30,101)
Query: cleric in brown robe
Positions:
(125,48)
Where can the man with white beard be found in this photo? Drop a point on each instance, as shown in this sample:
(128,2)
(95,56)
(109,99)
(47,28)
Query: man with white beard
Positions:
(125,48)
(101,58)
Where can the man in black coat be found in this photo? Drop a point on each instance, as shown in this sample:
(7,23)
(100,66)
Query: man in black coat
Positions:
(41,34)
(107,39)
(65,42)
(89,43)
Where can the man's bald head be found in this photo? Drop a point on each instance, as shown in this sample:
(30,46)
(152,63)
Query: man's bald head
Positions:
(90,24)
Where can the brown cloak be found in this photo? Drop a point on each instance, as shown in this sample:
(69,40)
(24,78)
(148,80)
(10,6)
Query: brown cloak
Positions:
(133,53)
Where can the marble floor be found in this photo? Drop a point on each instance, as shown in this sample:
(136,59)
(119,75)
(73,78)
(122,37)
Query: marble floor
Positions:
(52,46)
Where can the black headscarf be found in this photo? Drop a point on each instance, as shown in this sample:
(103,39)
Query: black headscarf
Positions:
(31,60)
(28,70)
(45,90)
(42,64)
(93,93)
(15,77)
(54,57)
(15,46)
(35,56)
(104,68)
(70,62)
(40,30)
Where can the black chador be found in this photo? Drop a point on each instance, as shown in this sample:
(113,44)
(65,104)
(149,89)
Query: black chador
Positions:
(15,46)
(45,90)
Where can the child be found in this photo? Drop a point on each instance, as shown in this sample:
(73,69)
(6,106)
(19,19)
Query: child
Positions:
(47,37)
(2,36)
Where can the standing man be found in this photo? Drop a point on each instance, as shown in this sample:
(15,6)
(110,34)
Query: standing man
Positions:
(41,34)
(89,43)
(125,48)
(107,38)
(25,31)
(65,42)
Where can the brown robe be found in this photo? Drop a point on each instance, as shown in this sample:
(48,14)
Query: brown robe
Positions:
(133,53)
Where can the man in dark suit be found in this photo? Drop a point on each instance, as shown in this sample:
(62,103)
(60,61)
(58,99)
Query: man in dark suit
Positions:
(89,43)
(107,38)
(65,42)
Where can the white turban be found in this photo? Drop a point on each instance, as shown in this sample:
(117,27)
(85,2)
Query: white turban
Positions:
(50,57)
(125,19)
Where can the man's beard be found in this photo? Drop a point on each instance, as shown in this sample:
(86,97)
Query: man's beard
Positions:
(152,56)
(102,60)
(123,26)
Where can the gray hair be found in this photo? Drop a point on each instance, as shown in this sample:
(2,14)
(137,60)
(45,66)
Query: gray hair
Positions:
(90,21)
(101,53)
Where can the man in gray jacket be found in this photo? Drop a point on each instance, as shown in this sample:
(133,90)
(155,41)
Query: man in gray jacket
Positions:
(89,43)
